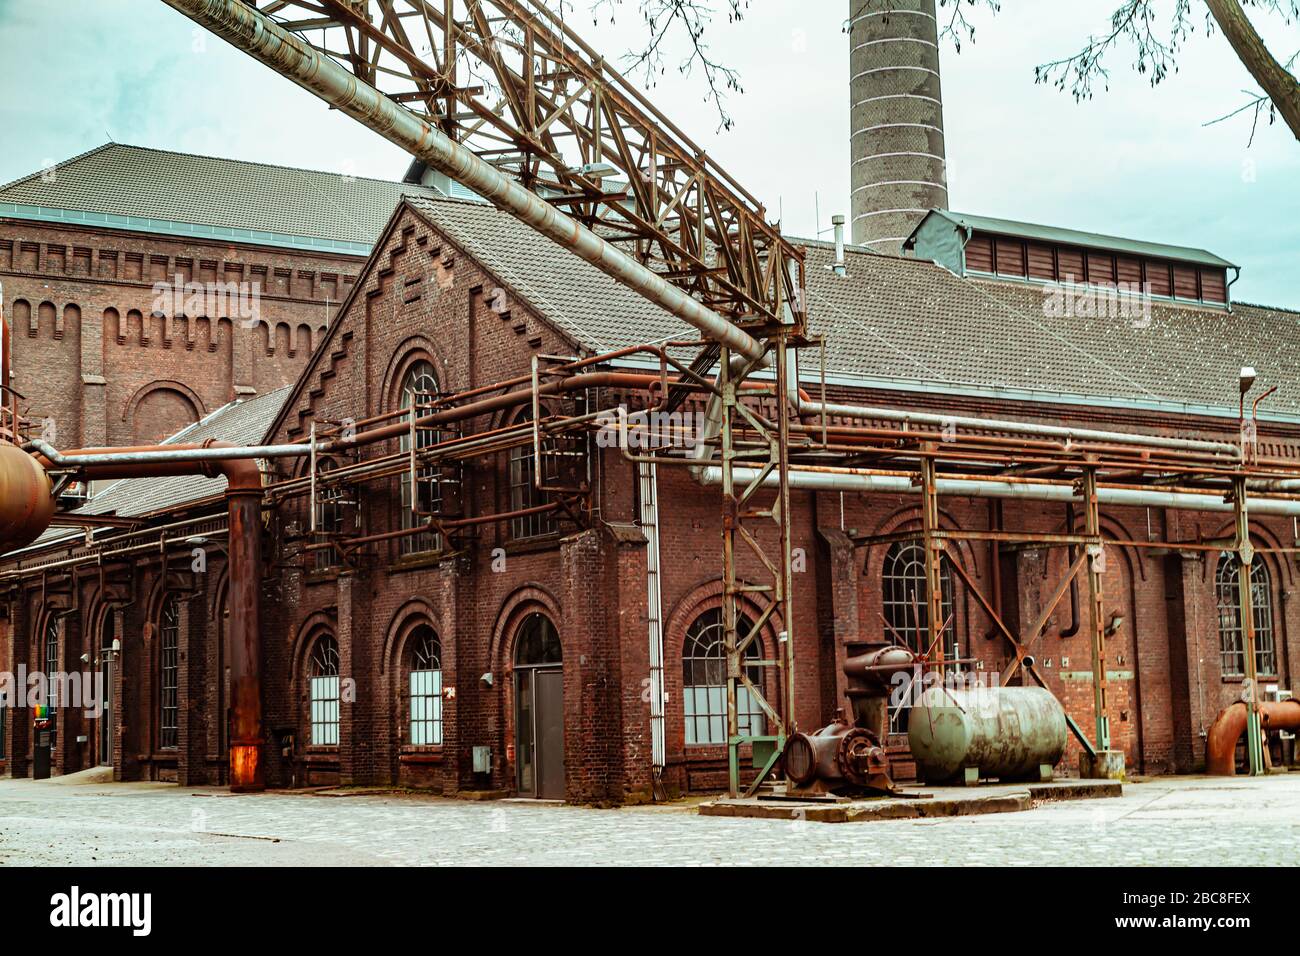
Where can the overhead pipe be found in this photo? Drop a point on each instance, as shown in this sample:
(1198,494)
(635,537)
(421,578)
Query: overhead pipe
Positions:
(249,30)
(244,511)
(1064,432)
(847,479)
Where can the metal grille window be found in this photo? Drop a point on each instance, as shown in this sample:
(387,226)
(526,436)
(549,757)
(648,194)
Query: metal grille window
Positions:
(704,682)
(524,492)
(1232,648)
(52,664)
(424,494)
(903,595)
(169,633)
(332,513)
(425,688)
(324,692)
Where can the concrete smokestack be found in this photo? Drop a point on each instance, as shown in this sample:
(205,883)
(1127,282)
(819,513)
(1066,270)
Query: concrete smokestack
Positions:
(897,119)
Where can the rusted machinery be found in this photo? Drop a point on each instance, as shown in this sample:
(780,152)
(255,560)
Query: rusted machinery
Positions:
(1226,731)
(849,757)
(26,498)
(1011,733)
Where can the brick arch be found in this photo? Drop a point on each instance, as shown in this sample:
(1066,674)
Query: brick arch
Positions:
(414,349)
(1260,536)
(414,612)
(874,560)
(191,406)
(315,625)
(521,602)
(23,316)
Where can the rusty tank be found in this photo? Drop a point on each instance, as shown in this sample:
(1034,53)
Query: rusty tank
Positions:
(1004,732)
(26,498)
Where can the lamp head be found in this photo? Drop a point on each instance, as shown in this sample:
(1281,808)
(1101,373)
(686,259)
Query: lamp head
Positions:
(1248,376)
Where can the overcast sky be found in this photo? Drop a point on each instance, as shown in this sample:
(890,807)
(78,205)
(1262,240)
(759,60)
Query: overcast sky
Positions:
(1134,161)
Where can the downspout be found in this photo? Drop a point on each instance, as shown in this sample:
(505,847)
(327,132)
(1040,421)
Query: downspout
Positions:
(247,29)
(244,633)
(654,616)
(1073,629)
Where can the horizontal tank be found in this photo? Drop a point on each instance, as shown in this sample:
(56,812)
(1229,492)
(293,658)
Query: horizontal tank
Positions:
(1007,732)
(26,502)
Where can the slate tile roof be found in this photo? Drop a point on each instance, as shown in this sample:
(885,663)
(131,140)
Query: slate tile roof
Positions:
(120,180)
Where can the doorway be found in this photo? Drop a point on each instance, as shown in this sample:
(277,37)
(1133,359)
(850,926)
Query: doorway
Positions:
(107,634)
(539,710)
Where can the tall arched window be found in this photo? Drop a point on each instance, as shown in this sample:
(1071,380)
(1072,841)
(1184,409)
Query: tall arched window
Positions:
(169,637)
(335,515)
(52,665)
(424,684)
(902,587)
(421,493)
(1231,647)
(323,690)
(704,682)
(524,492)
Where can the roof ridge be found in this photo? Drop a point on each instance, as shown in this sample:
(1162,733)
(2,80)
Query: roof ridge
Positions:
(40,172)
(218,159)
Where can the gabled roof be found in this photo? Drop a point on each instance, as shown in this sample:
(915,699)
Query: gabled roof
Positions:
(239,423)
(1073,237)
(161,191)
(902,323)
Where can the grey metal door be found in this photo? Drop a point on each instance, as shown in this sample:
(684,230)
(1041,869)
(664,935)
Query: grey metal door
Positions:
(549,715)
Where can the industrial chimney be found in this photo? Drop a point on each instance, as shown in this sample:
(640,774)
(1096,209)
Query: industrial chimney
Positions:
(897,119)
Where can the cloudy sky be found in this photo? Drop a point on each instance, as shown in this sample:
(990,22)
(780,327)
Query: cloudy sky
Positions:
(1133,161)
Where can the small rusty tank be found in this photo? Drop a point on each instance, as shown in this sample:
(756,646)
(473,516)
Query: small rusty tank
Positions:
(1005,732)
(26,502)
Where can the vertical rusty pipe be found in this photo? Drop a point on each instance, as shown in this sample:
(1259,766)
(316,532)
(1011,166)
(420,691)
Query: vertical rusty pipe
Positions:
(244,634)
(244,637)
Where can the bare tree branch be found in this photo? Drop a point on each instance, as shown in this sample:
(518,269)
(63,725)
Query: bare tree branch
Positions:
(666,19)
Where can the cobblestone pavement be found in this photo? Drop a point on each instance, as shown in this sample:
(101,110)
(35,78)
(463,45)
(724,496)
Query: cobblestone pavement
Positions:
(1168,821)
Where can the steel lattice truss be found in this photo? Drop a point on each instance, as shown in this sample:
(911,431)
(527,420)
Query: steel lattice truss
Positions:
(508,80)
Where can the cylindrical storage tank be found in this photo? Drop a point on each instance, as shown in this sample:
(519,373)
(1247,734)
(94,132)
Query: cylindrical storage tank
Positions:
(896,108)
(1007,732)
(26,502)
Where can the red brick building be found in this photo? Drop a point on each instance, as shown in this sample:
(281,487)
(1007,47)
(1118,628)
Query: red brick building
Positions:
(517,657)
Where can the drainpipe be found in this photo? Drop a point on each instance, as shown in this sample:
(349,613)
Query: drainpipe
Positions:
(654,615)
(244,508)
(1073,629)
(247,29)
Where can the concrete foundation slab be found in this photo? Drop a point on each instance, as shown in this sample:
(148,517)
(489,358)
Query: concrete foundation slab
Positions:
(920,802)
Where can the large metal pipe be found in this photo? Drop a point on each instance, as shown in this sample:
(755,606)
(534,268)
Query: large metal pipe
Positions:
(1226,731)
(847,479)
(244,633)
(245,28)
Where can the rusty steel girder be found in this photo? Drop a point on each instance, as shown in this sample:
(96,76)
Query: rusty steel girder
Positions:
(512,83)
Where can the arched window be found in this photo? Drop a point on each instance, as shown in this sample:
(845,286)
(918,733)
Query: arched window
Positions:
(52,665)
(1231,646)
(704,682)
(323,672)
(421,495)
(524,492)
(169,635)
(425,686)
(902,587)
